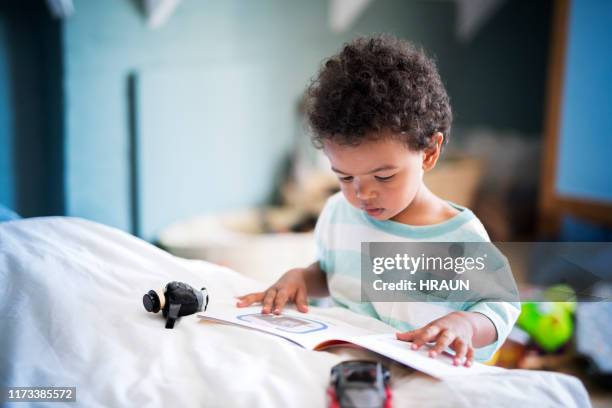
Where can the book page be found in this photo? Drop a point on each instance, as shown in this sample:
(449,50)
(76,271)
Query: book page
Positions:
(317,332)
(305,329)
(440,367)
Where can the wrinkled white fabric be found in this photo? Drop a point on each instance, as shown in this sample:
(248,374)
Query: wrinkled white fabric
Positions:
(72,315)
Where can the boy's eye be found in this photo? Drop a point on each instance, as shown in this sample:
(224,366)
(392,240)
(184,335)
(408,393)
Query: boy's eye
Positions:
(346,179)
(379,178)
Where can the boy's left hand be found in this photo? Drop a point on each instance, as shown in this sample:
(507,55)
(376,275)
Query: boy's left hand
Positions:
(455,330)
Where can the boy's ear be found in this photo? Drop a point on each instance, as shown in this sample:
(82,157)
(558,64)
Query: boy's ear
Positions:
(432,153)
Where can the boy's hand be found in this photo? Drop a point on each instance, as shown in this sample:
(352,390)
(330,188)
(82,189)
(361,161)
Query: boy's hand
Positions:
(290,287)
(455,330)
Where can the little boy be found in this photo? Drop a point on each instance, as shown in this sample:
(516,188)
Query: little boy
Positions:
(381,114)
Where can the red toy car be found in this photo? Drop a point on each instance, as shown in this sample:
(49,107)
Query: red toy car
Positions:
(359,384)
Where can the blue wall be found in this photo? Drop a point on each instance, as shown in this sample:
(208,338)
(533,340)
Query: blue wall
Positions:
(585,141)
(7,176)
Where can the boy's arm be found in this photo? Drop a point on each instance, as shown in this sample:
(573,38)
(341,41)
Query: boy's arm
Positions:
(485,332)
(474,334)
(316,280)
(502,315)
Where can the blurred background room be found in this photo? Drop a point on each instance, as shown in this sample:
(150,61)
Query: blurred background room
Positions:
(182,121)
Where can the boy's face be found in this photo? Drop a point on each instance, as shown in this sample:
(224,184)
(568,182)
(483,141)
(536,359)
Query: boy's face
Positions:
(379,177)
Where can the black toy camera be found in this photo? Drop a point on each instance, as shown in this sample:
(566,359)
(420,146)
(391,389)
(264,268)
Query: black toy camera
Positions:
(177,299)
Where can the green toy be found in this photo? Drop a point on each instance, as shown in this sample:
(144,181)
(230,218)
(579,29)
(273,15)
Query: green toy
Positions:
(550,323)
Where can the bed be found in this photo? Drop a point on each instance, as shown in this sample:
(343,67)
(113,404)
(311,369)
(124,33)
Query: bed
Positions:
(71,302)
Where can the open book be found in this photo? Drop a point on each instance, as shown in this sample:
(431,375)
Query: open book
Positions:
(319,332)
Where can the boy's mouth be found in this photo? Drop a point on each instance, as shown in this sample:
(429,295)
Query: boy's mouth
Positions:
(372,212)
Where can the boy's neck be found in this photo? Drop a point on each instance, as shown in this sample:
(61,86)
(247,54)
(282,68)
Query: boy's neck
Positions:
(426,209)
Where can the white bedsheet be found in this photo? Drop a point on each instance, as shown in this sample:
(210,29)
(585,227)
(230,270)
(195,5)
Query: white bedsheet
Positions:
(71,303)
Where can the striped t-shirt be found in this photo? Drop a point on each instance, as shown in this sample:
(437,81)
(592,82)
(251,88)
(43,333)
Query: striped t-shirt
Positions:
(342,228)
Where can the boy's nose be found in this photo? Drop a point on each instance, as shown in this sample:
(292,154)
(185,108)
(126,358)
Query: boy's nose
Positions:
(364,193)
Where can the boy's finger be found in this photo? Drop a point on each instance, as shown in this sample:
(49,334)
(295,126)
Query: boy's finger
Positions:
(251,296)
(460,351)
(469,359)
(413,336)
(407,336)
(431,332)
(425,335)
(247,300)
(268,300)
(279,301)
(444,340)
(301,300)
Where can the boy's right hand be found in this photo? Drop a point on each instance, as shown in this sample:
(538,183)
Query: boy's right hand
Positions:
(290,287)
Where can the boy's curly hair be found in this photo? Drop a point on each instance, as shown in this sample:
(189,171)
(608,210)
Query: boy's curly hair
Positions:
(375,84)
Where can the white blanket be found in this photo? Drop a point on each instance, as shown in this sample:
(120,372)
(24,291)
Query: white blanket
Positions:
(72,315)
